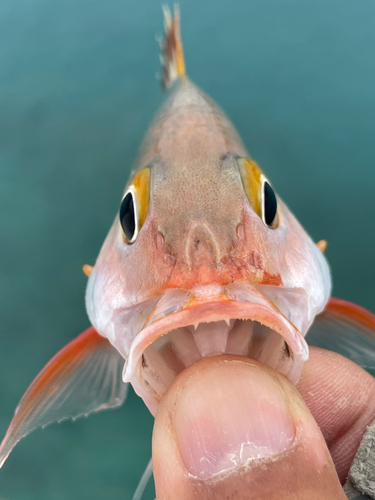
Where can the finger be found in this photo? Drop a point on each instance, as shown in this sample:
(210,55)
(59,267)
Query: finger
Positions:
(230,427)
(341,397)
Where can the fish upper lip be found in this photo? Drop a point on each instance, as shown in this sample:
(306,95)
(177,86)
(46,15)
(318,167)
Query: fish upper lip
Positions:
(180,308)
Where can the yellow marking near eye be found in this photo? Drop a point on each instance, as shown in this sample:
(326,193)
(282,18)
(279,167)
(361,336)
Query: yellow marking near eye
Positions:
(322,245)
(141,184)
(87,269)
(252,182)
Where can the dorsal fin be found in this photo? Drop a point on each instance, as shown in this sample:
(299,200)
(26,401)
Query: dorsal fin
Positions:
(172,54)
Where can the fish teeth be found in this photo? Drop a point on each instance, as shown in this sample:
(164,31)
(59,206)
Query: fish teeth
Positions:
(195,326)
(227,321)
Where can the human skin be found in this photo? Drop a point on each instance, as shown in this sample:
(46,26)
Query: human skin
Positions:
(233,428)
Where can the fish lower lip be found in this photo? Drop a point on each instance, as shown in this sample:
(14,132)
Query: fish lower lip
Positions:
(245,324)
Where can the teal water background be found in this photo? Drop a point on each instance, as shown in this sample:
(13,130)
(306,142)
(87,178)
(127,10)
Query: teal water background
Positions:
(77,90)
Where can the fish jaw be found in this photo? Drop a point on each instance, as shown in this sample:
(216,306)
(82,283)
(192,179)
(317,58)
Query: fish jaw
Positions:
(186,325)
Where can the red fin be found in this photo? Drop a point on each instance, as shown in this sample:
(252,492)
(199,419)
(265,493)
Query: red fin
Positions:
(354,313)
(82,378)
(348,329)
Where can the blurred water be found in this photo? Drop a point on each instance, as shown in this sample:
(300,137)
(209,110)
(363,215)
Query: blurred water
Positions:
(77,89)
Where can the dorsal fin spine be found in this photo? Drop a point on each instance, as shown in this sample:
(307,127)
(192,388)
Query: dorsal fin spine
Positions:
(172,54)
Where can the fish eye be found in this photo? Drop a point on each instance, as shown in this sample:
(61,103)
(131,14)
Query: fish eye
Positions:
(259,192)
(128,218)
(269,204)
(134,205)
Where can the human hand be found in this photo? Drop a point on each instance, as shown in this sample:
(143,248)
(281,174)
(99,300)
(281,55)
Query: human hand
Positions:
(232,428)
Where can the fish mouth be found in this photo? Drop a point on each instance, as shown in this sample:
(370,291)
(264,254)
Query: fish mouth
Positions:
(185,326)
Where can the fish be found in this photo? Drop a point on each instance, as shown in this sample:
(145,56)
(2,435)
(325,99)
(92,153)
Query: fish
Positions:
(203,258)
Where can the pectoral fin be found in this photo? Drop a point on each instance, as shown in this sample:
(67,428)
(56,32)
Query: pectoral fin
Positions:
(84,377)
(347,329)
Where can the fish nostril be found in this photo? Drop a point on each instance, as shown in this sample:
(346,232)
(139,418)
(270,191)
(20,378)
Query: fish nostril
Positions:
(202,244)
(240,231)
(160,240)
(164,247)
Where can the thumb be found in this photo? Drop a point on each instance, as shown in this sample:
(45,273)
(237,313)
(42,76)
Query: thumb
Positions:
(230,427)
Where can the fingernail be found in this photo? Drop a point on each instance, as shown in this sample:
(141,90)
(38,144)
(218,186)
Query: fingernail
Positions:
(230,414)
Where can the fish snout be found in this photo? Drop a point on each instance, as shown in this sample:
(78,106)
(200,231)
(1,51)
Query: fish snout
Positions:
(202,246)
(200,256)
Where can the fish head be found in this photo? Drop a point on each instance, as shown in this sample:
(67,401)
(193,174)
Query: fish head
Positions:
(203,258)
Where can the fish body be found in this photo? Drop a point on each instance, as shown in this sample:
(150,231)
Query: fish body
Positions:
(204,235)
(203,258)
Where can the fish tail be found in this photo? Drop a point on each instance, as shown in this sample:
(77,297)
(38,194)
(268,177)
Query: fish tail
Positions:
(172,54)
